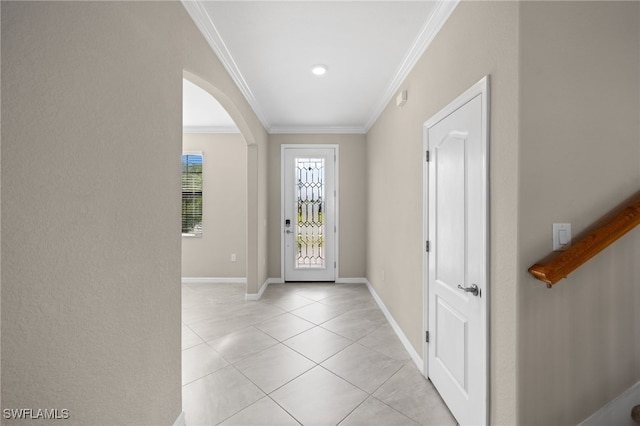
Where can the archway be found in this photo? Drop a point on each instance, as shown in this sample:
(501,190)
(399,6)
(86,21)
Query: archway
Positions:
(214,192)
(251,178)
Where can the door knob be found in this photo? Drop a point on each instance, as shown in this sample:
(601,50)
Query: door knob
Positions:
(473,289)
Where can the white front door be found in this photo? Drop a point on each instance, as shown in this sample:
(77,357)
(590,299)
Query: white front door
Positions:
(309,210)
(457,260)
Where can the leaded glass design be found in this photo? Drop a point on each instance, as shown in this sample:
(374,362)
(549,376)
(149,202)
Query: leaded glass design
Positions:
(310,204)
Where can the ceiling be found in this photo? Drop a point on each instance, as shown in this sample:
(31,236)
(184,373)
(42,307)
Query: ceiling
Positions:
(202,113)
(269,48)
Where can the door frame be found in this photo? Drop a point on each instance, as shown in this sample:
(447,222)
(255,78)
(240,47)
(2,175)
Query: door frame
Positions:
(481,88)
(336,186)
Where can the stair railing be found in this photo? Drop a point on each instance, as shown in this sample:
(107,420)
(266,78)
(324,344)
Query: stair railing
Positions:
(605,232)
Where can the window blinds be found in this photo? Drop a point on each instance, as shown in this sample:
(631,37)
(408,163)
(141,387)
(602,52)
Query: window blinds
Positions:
(192,194)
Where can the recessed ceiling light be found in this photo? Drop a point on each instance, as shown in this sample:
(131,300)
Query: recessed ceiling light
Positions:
(319,69)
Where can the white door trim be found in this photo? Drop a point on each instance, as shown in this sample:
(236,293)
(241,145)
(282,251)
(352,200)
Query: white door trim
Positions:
(336,240)
(480,88)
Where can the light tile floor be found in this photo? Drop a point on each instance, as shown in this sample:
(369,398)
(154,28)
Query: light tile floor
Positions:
(310,354)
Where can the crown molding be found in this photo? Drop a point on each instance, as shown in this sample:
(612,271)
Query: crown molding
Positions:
(210,129)
(203,21)
(431,28)
(437,19)
(318,130)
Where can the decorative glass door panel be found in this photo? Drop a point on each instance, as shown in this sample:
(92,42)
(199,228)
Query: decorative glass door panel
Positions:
(309,214)
(309,221)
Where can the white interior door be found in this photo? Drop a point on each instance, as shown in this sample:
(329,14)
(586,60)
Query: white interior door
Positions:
(457,258)
(309,212)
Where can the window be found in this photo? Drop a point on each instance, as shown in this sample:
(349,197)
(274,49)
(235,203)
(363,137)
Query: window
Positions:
(192,194)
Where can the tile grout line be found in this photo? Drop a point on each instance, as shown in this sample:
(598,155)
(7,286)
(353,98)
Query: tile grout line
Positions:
(361,305)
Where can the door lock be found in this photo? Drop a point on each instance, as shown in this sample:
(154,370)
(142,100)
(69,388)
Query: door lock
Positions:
(473,289)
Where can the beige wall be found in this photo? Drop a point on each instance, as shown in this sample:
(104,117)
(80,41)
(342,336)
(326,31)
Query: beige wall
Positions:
(0,222)
(479,38)
(580,144)
(88,286)
(91,97)
(224,208)
(352,202)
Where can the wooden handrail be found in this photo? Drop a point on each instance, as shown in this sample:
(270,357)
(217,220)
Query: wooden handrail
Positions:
(605,232)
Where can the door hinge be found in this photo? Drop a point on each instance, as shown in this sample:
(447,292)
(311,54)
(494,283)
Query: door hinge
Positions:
(427,156)
(427,247)
(426,337)
(335,265)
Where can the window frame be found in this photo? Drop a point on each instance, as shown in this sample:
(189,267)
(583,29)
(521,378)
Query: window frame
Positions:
(183,192)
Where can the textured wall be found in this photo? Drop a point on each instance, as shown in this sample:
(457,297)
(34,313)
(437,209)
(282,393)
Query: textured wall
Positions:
(479,38)
(580,142)
(224,208)
(91,306)
(92,132)
(352,202)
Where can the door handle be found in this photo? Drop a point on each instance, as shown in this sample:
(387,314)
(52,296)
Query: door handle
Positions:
(473,289)
(289,231)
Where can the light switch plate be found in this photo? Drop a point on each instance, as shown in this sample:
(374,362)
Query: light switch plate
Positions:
(561,236)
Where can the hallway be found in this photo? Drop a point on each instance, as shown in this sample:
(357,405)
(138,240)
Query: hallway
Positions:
(311,354)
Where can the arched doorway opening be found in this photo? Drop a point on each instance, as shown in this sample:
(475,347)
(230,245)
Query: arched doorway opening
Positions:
(216,246)
(214,192)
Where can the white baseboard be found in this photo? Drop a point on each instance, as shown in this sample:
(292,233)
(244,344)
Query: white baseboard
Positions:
(214,280)
(351,280)
(357,280)
(618,411)
(417,359)
(181,420)
(337,281)
(257,296)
